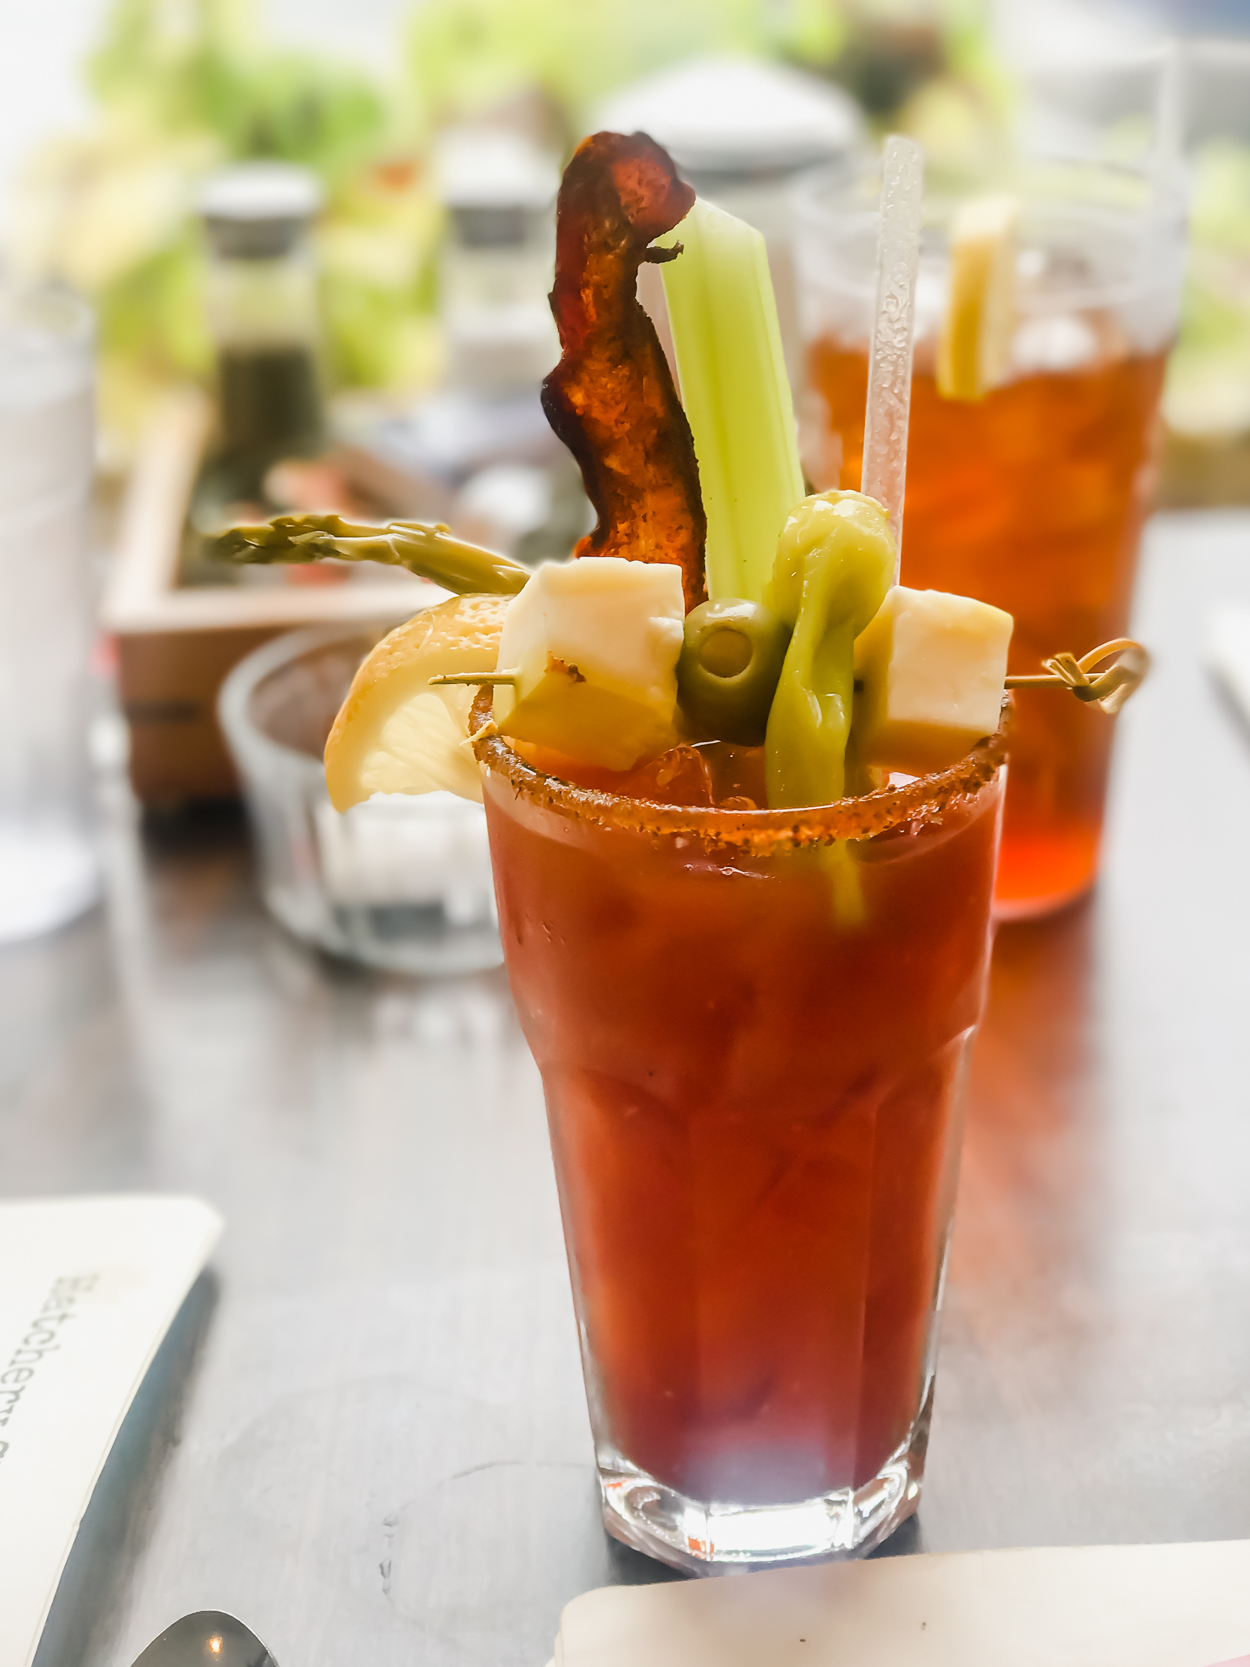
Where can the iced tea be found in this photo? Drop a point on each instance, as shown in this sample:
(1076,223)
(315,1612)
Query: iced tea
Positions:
(1033,497)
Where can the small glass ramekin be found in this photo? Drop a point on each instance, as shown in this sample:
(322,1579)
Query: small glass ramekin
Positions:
(398,882)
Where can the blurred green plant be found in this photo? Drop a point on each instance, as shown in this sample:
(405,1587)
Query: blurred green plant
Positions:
(181,88)
(925,66)
(467,56)
(205,68)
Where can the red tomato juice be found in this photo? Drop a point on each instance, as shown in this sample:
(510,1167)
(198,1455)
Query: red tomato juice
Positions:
(752,1066)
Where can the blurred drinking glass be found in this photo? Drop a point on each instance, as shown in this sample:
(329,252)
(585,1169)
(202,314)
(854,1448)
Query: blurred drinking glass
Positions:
(48,866)
(1031,497)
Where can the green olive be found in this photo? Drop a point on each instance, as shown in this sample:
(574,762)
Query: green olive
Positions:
(730,662)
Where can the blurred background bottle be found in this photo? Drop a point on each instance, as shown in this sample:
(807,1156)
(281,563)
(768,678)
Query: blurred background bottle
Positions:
(261,291)
(481,434)
(499,190)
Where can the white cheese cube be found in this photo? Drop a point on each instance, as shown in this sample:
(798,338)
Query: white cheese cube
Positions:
(595,643)
(929,673)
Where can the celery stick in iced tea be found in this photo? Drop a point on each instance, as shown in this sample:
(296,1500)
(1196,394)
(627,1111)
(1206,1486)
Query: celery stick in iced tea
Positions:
(736,395)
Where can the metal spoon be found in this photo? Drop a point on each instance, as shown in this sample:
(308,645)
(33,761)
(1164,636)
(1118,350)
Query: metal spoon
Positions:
(209,1636)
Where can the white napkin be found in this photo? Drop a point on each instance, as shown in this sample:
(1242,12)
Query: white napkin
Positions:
(88,1288)
(1096,1606)
(1228,652)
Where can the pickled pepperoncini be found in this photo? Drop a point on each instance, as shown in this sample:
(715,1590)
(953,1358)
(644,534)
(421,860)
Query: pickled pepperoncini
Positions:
(835,563)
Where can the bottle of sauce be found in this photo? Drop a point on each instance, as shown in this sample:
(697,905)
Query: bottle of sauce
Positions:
(262,304)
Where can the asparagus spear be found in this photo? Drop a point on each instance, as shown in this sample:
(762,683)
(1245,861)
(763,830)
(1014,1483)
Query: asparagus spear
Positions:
(429,551)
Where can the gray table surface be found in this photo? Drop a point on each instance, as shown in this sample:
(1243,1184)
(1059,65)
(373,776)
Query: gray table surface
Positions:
(366,1433)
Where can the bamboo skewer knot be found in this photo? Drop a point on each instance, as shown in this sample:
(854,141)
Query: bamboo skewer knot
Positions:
(1108,689)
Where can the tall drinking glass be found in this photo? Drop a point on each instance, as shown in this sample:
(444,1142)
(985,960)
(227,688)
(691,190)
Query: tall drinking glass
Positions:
(752,1029)
(1032,497)
(48,866)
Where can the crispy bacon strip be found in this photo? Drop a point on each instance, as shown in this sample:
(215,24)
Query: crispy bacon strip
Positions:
(611,398)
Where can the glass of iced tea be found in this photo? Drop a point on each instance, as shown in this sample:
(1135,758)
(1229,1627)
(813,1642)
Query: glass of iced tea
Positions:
(1032,497)
(752,1028)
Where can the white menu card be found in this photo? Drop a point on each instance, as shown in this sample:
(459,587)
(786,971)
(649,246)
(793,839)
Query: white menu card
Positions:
(88,1288)
(1084,1606)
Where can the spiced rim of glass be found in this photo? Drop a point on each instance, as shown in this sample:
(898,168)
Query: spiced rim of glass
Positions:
(913,804)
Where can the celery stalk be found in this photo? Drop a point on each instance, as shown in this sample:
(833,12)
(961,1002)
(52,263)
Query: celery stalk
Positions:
(736,394)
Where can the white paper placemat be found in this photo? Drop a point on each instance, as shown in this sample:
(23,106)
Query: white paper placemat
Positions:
(1085,1606)
(1228,652)
(88,1288)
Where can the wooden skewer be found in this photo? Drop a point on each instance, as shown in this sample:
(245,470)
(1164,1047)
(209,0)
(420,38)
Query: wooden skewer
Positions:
(492,679)
(1109,689)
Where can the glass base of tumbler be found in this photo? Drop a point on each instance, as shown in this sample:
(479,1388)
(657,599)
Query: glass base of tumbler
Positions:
(1008,909)
(705,1538)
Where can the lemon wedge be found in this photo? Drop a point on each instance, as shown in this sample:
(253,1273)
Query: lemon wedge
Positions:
(394,733)
(975,346)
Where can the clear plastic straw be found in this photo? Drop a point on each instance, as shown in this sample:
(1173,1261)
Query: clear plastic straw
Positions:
(1169,119)
(889,365)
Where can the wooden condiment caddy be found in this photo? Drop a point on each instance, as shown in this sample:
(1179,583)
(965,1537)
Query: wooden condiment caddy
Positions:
(176,644)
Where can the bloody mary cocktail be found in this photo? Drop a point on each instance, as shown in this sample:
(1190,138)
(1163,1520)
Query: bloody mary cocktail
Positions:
(1032,497)
(743,793)
(752,1070)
